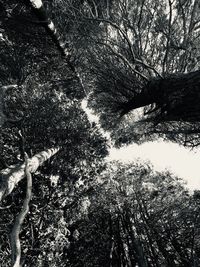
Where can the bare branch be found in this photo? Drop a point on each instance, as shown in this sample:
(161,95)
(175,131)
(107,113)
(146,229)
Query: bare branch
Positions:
(132,67)
(123,33)
(164,65)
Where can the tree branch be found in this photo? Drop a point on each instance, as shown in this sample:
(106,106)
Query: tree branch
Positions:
(11,176)
(114,25)
(135,59)
(132,67)
(15,241)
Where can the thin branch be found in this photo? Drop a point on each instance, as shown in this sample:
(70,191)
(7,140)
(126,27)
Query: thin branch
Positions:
(139,25)
(135,60)
(114,25)
(138,61)
(15,241)
(168,38)
(132,67)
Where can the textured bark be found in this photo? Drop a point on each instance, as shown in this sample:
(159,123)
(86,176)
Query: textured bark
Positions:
(62,46)
(176,97)
(15,241)
(48,24)
(112,241)
(136,245)
(11,176)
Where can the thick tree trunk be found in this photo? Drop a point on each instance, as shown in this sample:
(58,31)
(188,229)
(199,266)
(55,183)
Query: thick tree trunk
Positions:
(11,176)
(176,97)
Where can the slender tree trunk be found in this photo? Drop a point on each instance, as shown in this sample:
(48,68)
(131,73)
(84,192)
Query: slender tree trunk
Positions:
(142,261)
(11,176)
(14,239)
(56,37)
(168,257)
(153,254)
(48,24)
(136,245)
(120,243)
(112,241)
(131,252)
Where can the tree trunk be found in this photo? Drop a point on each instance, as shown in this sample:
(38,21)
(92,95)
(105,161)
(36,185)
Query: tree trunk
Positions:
(176,97)
(61,45)
(14,239)
(136,244)
(48,24)
(159,239)
(132,257)
(11,176)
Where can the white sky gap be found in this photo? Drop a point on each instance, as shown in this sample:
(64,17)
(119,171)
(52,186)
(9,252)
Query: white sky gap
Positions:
(181,161)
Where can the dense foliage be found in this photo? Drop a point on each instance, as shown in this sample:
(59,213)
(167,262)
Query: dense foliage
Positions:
(129,60)
(138,218)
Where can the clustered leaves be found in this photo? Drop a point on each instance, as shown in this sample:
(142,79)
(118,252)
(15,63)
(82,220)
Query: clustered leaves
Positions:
(138,217)
(84,211)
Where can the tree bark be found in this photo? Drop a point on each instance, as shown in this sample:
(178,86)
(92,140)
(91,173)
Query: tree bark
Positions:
(136,244)
(61,45)
(176,97)
(14,239)
(48,24)
(11,176)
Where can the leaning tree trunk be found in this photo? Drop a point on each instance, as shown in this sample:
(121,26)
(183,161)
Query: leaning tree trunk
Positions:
(41,14)
(11,176)
(56,37)
(175,98)
(52,31)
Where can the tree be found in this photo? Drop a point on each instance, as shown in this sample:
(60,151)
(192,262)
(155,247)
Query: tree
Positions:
(137,217)
(144,55)
(43,107)
(56,53)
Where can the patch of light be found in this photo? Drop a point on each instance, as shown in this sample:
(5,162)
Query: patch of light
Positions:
(36,3)
(54,180)
(164,155)
(51,26)
(94,118)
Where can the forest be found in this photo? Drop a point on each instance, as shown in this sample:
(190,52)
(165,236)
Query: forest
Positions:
(135,63)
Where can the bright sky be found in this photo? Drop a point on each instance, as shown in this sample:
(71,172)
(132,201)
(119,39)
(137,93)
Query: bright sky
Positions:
(181,161)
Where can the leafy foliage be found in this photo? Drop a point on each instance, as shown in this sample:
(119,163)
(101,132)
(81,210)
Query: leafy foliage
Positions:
(85,212)
(138,217)
(139,51)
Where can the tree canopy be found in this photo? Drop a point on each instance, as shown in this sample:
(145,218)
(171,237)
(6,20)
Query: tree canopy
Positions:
(136,63)
(144,63)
